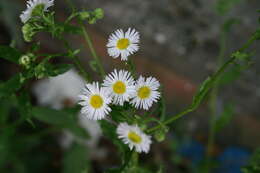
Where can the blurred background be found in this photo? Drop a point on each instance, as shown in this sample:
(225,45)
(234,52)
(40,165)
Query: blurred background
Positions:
(182,42)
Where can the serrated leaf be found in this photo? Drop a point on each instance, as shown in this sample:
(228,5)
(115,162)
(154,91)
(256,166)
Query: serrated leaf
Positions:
(10,54)
(76,159)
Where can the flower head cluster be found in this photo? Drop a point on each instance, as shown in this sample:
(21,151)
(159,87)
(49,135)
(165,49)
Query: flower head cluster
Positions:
(33,5)
(119,87)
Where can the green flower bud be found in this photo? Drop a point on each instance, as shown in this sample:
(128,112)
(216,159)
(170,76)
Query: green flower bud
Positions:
(40,71)
(26,60)
(22,78)
(84,15)
(38,10)
(28,32)
(160,134)
(99,13)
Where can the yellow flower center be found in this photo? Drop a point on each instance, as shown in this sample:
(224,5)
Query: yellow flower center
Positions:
(134,137)
(144,92)
(96,101)
(119,87)
(123,43)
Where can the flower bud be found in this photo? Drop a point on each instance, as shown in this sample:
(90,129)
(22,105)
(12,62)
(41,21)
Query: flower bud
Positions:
(28,32)
(99,13)
(84,15)
(160,134)
(26,60)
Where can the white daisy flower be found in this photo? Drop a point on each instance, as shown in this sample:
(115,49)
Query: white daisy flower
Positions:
(124,44)
(31,4)
(146,92)
(121,86)
(134,137)
(95,102)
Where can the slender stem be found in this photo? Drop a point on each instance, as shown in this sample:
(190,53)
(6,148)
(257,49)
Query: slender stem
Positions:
(92,49)
(131,66)
(191,108)
(77,62)
(213,102)
(81,69)
(88,41)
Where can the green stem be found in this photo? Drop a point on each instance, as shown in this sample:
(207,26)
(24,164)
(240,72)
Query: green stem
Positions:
(81,69)
(77,62)
(131,66)
(213,102)
(92,50)
(88,41)
(214,77)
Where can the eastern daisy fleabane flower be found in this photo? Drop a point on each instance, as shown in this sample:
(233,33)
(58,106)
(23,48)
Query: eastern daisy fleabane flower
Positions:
(121,86)
(134,137)
(95,101)
(31,4)
(123,44)
(146,92)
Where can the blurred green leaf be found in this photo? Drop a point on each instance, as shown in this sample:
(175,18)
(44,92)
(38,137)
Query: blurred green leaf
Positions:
(76,159)
(224,118)
(203,90)
(72,29)
(62,118)
(230,75)
(10,54)
(224,6)
(226,27)
(58,69)
(254,163)
(46,69)
(12,85)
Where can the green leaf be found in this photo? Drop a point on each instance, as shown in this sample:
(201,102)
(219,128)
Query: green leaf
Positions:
(12,85)
(72,29)
(46,69)
(224,6)
(10,54)
(229,23)
(230,75)
(62,118)
(224,118)
(56,70)
(203,90)
(254,163)
(76,159)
